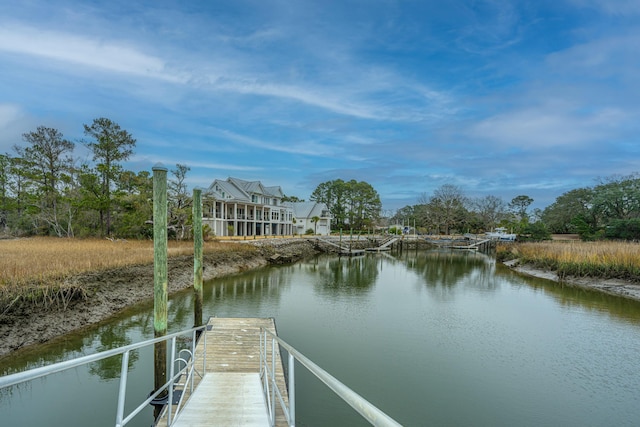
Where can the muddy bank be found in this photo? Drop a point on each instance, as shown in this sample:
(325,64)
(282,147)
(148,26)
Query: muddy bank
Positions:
(103,294)
(611,286)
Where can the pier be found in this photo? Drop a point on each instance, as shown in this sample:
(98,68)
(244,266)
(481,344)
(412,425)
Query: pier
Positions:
(230,392)
(340,249)
(385,246)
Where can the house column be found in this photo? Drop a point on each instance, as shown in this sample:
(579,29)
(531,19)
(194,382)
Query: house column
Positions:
(235,219)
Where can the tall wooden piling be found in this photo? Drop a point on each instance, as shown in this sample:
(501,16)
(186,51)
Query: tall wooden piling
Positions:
(197,257)
(160,273)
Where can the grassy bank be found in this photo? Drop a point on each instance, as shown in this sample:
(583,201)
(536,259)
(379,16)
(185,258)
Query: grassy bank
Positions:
(607,260)
(34,270)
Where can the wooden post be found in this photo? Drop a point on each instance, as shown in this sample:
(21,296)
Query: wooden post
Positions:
(197,257)
(160,274)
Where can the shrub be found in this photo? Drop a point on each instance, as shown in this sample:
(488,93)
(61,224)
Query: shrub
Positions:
(624,229)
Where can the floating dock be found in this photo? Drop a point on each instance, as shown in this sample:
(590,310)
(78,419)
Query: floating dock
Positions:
(230,391)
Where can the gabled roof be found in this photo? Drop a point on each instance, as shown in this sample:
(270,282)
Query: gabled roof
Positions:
(274,191)
(307,209)
(248,187)
(218,187)
(241,190)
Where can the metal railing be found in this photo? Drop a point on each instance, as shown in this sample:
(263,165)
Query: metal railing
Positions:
(274,395)
(182,362)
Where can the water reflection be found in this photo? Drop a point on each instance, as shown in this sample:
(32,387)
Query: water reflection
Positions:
(459,339)
(252,290)
(345,276)
(575,297)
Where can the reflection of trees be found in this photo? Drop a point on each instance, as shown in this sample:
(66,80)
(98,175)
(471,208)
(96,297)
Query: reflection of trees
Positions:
(576,296)
(114,335)
(348,276)
(117,334)
(447,269)
(252,289)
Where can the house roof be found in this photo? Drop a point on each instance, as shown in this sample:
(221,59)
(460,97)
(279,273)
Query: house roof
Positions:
(307,209)
(241,190)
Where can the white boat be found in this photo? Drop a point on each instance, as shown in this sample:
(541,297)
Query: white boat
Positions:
(500,233)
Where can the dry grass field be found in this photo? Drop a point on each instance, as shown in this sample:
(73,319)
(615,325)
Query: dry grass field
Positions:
(42,261)
(614,260)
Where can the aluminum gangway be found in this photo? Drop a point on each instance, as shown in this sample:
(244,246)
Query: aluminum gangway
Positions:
(204,381)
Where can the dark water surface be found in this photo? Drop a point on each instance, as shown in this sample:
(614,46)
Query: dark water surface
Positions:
(432,338)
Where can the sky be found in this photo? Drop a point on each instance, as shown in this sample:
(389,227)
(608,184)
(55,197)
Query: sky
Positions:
(501,98)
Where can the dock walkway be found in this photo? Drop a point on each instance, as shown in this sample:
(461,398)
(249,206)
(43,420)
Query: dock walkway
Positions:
(230,391)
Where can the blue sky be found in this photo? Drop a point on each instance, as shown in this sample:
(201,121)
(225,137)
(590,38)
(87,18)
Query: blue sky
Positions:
(497,97)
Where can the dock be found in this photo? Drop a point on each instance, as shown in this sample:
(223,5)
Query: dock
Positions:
(341,250)
(230,393)
(385,246)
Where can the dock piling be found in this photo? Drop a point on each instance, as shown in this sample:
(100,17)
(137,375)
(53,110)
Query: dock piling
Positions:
(160,274)
(197,257)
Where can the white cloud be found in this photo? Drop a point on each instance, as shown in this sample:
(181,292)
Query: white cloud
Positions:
(89,52)
(12,123)
(8,114)
(539,128)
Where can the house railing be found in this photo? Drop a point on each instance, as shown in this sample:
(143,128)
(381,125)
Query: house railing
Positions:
(274,396)
(180,363)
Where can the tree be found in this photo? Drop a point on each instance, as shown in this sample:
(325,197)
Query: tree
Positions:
(110,145)
(618,197)
(354,203)
(446,209)
(135,205)
(331,193)
(363,204)
(5,199)
(179,199)
(519,206)
(315,220)
(292,199)
(46,163)
(490,210)
(559,216)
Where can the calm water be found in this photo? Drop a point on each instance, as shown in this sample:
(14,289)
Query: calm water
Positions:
(432,338)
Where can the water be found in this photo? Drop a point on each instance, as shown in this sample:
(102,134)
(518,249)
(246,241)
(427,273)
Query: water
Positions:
(431,337)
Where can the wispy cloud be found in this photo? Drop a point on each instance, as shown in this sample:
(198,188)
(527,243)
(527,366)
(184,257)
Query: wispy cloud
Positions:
(95,53)
(612,7)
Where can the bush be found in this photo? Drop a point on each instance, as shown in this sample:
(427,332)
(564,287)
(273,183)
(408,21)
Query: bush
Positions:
(309,232)
(623,229)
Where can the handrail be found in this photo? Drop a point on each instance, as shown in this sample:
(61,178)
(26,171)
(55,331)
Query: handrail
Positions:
(367,410)
(121,420)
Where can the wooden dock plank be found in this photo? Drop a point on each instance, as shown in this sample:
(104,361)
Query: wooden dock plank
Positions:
(233,346)
(226,399)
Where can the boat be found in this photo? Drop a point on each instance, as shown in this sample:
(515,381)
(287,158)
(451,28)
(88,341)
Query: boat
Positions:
(500,233)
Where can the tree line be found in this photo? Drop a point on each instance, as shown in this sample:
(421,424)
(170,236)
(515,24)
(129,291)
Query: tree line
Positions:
(449,211)
(608,210)
(44,190)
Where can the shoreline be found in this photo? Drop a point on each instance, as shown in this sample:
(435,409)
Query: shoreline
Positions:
(617,287)
(108,292)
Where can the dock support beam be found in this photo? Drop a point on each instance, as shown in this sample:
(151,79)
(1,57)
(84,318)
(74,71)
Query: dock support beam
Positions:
(160,274)
(197,257)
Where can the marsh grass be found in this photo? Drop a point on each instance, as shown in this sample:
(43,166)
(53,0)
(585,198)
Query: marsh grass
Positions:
(34,269)
(607,260)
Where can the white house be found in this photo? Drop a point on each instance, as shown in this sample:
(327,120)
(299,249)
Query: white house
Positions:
(304,214)
(235,207)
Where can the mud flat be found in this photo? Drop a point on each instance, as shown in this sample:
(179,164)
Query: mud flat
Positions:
(105,293)
(611,286)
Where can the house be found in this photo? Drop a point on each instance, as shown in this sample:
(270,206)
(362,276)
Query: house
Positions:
(234,207)
(311,215)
